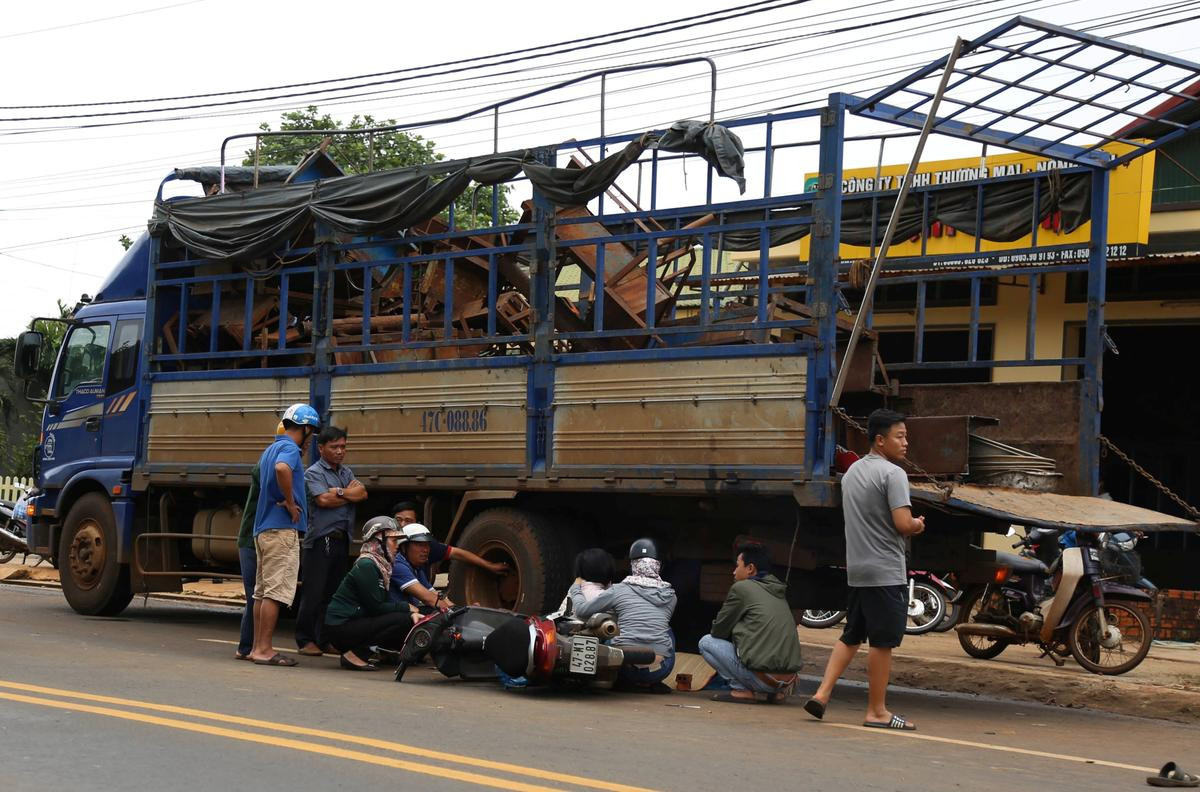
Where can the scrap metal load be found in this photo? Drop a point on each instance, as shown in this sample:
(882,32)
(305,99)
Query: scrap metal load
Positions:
(410,281)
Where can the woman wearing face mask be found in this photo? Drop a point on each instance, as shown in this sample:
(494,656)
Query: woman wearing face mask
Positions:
(643,604)
(360,615)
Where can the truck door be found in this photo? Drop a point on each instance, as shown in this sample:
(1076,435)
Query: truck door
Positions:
(72,438)
(118,435)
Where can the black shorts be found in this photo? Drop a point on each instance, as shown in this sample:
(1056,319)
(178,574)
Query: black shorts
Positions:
(877,614)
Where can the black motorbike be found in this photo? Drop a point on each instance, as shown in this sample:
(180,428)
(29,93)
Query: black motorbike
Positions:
(472,642)
(1084,604)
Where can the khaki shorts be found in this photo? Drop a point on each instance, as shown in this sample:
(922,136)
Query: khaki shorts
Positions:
(278,553)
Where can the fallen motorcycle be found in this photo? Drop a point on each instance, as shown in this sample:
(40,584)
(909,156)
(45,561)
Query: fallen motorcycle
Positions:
(472,642)
(1083,605)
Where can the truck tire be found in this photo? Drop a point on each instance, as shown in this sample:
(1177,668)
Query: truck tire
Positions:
(535,549)
(93,581)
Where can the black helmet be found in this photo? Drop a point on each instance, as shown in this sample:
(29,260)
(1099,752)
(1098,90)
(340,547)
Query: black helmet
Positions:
(643,548)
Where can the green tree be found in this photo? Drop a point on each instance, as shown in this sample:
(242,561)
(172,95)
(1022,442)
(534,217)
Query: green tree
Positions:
(20,418)
(367,153)
(125,241)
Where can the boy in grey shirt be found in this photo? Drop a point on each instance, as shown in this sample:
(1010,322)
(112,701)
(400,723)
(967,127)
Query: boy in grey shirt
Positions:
(878,516)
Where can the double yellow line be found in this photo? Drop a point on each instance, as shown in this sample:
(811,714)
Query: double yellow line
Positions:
(72,700)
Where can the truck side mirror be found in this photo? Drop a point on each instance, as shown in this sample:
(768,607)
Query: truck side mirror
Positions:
(28,354)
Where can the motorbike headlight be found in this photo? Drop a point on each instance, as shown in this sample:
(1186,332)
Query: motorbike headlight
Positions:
(1122,541)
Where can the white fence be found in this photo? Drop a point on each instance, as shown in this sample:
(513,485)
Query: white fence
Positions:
(12,487)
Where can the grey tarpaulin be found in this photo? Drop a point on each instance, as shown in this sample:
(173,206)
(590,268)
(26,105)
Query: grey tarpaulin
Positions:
(720,148)
(250,224)
(1007,216)
(209,175)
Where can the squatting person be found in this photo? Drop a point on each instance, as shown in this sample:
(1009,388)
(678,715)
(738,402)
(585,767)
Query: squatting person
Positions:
(753,643)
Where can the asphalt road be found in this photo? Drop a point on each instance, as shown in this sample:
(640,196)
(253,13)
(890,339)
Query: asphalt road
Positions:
(154,699)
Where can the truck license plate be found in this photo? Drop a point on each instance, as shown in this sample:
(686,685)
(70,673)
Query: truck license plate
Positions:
(584,650)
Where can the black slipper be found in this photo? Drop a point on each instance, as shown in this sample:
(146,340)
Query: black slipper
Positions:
(897,723)
(277,660)
(730,698)
(815,708)
(1172,775)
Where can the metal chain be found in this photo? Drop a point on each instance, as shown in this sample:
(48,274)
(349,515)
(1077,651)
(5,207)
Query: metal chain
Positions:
(946,488)
(1192,510)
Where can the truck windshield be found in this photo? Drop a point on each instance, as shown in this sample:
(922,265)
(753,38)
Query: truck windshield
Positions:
(83,358)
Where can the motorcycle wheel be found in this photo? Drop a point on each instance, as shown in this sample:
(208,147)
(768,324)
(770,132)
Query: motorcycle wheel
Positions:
(978,646)
(1111,639)
(926,609)
(821,619)
(950,619)
(7,555)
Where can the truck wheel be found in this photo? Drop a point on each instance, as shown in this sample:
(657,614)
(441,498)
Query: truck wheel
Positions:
(93,581)
(531,546)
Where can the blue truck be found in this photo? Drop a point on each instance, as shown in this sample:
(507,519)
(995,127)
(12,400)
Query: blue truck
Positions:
(595,371)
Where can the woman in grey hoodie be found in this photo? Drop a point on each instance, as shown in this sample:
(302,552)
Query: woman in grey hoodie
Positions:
(643,604)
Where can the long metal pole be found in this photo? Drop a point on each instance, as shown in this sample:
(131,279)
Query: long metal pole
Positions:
(893,221)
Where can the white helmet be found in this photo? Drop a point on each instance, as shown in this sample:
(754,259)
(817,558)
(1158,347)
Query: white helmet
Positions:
(415,532)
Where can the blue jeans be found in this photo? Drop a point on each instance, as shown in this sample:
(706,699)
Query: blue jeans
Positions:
(722,656)
(636,675)
(249,562)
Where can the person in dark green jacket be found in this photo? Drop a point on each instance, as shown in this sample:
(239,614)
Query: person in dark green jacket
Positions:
(360,615)
(753,643)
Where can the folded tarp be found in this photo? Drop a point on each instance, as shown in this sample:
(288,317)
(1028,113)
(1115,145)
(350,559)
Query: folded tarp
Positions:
(251,224)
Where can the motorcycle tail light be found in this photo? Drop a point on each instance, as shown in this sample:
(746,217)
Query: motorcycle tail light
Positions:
(1001,574)
(545,648)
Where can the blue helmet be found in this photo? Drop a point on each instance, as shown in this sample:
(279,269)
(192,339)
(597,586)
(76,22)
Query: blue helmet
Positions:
(302,415)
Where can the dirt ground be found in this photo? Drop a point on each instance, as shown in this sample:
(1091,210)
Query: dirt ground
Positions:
(1165,686)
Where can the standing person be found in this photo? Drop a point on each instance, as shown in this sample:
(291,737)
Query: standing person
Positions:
(878,515)
(412,573)
(279,522)
(248,562)
(360,614)
(325,551)
(643,604)
(753,643)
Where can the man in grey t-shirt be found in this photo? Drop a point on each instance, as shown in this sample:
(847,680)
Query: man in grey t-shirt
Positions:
(878,516)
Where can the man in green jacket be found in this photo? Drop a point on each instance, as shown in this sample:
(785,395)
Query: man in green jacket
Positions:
(753,643)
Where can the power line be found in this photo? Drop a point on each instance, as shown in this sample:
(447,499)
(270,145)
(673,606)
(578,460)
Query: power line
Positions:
(94,21)
(684,23)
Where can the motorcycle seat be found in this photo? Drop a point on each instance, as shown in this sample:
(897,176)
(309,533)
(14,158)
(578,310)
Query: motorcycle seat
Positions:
(1021,564)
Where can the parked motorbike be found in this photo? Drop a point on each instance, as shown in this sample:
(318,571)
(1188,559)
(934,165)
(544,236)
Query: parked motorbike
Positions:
(821,619)
(927,604)
(471,642)
(1083,605)
(12,534)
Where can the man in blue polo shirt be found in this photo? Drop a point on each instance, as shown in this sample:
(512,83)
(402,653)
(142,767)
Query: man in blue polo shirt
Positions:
(279,521)
(412,571)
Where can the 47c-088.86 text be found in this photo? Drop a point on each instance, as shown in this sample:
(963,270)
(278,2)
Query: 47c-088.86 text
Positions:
(454,420)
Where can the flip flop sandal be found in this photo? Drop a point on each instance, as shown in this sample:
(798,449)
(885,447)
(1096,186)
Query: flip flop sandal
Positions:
(815,708)
(277,660)
(730,698)
(896,723)
(1172,775)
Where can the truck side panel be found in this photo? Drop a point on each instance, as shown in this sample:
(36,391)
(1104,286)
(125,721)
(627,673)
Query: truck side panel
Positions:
(217,421)
(460,418)
(686,415)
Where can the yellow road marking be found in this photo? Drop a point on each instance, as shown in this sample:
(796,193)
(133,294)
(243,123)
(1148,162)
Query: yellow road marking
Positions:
(995,747)
(426,753)
(283,742)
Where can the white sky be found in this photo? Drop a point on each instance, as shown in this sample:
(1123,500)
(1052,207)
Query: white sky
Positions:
(66,194)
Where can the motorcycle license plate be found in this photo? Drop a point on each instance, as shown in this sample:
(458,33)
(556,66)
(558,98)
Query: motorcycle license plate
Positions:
(584,650)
